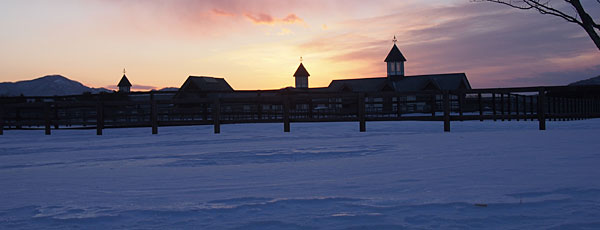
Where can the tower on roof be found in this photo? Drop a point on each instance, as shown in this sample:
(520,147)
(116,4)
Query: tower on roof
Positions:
(395,62)
(124,85)
(301,76)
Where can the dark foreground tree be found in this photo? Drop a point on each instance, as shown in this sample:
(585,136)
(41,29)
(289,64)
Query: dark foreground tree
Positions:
(579,15)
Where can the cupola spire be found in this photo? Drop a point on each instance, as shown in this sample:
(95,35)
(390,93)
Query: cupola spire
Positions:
(301,76)
(124,85)
(395,61)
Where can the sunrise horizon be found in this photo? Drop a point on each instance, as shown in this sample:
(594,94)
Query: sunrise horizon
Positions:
(257,45)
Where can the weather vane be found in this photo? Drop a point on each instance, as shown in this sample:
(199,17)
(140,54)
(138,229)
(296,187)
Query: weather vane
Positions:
(301,59)
(124,71)
(395,40)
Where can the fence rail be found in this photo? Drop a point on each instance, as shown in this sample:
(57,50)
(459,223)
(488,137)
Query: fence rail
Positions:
(154,109)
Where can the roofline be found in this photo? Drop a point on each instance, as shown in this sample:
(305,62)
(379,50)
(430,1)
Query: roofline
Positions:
(437,74)
(206,76)
(366,78)
(422,75)
(276,90)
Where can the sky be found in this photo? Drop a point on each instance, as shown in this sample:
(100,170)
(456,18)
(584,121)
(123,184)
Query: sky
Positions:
(258,44)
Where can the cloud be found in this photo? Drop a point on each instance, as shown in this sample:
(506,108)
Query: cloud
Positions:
(266,19)
(292,18)
(261,19)
(222,13)
(493,45)
(285,31)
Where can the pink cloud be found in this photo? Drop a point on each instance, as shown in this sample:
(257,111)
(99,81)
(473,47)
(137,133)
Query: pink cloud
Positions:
(260,18)
(292,18)
(220,12)
(266,19)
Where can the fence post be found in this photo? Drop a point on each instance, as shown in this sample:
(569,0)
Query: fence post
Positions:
(1,120)
(593,107)
(571,109)
(361,112)
(480,102)
(541,108)
(597,106)
(532,108)
(446,111)
(286,114)
(153,114)
(524,107)
(205,106)
(580,103)
(576,108)
(47,121)
(310,107)
(589,108)
(494,106)
(216,115)
(502,115)
(433,104)
(56,120)
(259,108)
(509,106)
(517,106)
(461,103)
(567,109)
(18,118)
(563,109)
(554,109)
(581,108)
(99,116)
(585,108)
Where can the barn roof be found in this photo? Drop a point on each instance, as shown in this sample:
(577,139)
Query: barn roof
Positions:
(358,85)
(451,81)
(206,84)
(301,71)
(124,82)
(395,55)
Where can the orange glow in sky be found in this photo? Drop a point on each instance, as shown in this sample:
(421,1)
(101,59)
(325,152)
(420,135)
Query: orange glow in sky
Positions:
(257,44)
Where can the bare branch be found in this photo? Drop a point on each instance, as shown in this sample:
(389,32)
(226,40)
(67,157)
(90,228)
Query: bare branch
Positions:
(580,17)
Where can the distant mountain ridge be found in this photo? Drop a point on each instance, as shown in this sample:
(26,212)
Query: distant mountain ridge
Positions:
(51,85)
(169,89)
(591,81)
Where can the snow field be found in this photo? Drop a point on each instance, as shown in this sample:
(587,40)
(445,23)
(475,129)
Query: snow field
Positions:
(397,175)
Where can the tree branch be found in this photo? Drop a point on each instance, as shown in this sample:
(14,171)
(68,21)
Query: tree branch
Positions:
(542,7)
(581,17)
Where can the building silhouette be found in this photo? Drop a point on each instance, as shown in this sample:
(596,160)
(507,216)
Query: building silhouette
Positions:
(301,76)
(124,84)
(395,63)
(395,81)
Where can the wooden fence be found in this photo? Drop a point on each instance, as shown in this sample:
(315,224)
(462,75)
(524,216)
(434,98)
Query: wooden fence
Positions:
(154,109)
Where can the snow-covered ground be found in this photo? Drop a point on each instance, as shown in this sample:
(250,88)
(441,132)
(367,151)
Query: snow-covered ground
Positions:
(397,175)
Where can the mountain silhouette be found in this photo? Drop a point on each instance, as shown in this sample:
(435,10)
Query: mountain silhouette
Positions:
(51,85)
(591,81)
